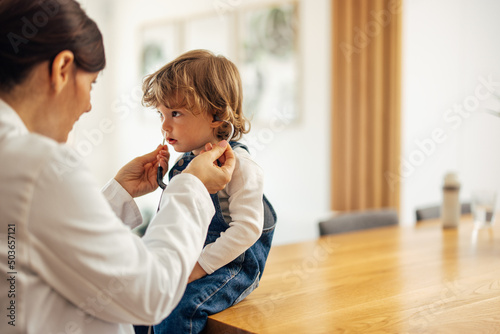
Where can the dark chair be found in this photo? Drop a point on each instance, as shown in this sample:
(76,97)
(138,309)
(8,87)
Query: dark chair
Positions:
(429,212)
(465,208)
(358,220)
(433,212)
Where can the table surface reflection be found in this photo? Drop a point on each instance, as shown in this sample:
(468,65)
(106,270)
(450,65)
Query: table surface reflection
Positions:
(421,279)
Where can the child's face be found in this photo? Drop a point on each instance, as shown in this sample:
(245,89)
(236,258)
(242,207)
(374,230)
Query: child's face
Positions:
(185,131)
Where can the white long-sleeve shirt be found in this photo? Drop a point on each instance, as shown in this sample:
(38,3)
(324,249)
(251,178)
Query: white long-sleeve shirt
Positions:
(242,207)
(73,266)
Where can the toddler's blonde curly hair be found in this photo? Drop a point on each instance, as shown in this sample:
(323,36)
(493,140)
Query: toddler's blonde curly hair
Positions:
(200,81)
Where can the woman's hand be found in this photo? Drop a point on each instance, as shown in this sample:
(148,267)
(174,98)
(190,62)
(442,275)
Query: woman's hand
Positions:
(205,167)
(197,273)
(138,177)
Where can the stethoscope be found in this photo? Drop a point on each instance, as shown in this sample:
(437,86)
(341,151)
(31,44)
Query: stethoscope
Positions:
(159,172)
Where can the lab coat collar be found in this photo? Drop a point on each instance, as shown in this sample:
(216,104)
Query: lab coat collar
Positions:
(9,117)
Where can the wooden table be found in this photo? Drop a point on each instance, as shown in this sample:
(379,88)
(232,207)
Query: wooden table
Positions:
(419,279)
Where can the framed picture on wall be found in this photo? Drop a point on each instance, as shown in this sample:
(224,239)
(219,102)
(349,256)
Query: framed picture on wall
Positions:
(160,43)
(209,32)
(263,41)
(269,61)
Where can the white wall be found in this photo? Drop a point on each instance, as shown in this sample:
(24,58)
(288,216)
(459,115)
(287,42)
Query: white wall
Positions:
(447,46)
(295,157)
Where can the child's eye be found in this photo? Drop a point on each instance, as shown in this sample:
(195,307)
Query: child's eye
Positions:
(175,113)
(159,114)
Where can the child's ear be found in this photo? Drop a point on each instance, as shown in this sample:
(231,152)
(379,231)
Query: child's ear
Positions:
(216,124)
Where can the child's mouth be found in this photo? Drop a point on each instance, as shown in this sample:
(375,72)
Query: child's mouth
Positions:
(171,141)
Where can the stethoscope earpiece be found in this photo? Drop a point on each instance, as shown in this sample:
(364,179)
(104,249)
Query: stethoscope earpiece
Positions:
(232,130)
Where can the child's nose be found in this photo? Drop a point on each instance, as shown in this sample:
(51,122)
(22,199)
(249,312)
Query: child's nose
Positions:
(166,126)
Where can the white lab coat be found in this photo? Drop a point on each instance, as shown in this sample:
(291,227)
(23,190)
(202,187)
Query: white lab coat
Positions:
(74,266)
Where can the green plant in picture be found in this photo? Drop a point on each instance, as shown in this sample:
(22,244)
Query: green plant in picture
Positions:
(269,60)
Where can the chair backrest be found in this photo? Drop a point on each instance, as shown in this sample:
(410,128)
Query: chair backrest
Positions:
(358,220)
(429,212)
(433,212)
(465,208)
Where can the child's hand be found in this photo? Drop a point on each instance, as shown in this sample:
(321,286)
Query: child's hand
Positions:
(197,273)
(138,177)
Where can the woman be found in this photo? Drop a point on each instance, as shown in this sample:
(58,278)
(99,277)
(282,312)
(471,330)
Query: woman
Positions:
(71,266)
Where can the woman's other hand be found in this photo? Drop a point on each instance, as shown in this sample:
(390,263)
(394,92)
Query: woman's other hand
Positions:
(205,166)
(138,177)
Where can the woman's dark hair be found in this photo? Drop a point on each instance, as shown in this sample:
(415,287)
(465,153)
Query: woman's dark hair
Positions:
(34,31)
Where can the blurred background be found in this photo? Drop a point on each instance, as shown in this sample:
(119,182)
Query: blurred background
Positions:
(449,77)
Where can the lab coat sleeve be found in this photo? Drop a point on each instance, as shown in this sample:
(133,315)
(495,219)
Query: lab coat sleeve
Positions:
(122,203)
(83,250)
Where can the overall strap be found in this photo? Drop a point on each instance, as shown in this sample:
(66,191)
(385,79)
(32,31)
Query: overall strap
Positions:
(186,158)
(181,164)
(236,144)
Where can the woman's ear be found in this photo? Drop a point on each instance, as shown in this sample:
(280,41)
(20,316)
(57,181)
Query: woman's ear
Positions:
(62,69)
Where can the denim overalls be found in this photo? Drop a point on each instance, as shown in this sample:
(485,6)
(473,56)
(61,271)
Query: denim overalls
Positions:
(226,286)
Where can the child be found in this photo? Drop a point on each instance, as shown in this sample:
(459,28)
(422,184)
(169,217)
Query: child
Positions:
(199,96)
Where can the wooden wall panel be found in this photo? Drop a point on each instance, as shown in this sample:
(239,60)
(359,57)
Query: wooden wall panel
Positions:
(366,103)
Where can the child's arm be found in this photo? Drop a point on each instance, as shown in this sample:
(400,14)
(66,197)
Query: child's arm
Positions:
(245,193)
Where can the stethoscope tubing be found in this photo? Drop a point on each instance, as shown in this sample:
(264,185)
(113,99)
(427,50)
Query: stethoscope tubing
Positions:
(159,172)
